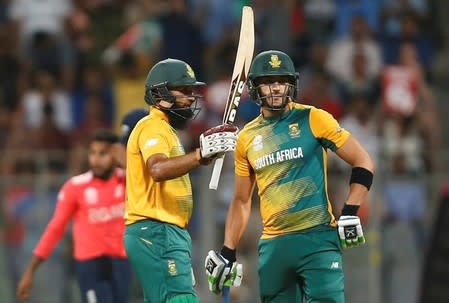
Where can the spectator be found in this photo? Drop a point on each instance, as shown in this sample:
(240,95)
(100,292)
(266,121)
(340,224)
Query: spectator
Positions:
(143,35)
(41,29)
(392,12)
(342,50)
(128,86)
(401,136)
(272,19)
(11,75)
(406,92)
(318,94)
(360,82)
(347,10)
(14,229)
(405,205)
(320,18)
(362,123)
(47,91)
(181,37)
(47,137)
(94,83)
(410,32)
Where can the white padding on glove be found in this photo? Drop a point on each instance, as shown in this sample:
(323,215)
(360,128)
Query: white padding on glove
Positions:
(221,273)
(350,231)
(217,140)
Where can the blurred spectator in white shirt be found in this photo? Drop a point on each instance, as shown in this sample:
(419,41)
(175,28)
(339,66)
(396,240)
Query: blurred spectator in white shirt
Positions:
(342,50)
(47,91)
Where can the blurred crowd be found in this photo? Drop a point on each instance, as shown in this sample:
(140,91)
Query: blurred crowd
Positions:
(70,66)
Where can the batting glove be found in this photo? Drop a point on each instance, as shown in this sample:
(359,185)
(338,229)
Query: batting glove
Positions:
(218,140)
(220,272)
(350,231)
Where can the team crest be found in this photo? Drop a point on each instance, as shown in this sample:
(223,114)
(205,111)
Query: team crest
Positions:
(293,130)
(172,268)
(190,71)
(257,143)
(275,62)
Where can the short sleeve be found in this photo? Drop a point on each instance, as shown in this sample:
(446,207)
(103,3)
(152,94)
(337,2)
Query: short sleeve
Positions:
(151,142)
(242,165)
(327,130)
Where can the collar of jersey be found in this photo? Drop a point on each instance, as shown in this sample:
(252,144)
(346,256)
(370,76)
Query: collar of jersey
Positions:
(158,113)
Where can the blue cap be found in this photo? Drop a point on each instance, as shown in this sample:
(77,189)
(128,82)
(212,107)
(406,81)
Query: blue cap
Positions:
(129,121)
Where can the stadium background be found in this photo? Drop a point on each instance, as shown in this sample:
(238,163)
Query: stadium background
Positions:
(68,67)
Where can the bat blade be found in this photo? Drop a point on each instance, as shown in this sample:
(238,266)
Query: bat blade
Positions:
(242,64)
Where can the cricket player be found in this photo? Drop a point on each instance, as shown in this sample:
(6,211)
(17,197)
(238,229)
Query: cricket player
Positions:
(284,151)
(159,194)
(95,201)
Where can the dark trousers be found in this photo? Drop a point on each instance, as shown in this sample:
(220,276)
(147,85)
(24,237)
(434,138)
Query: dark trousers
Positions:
(104,280)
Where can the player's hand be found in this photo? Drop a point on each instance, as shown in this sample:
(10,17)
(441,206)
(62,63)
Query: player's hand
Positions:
(24,286)
(218,140)
(220,272)
(350,231)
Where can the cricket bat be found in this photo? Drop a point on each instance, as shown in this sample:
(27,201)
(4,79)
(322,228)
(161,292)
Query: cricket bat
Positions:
(242,64)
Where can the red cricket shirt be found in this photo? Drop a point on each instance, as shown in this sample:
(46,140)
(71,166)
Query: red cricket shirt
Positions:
(97,208)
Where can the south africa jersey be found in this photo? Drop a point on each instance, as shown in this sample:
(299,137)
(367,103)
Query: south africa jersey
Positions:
(167,201)
(288,157)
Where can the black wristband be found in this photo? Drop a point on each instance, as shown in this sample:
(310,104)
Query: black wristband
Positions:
(228,253)
(350,210)
(362,176)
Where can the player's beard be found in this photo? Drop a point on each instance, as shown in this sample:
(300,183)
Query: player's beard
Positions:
(179,117)
(104,175)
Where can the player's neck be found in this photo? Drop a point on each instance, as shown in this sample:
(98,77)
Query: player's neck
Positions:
(268,113)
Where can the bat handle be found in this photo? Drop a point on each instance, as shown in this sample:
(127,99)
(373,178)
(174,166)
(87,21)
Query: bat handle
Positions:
(225,295)
(218,165)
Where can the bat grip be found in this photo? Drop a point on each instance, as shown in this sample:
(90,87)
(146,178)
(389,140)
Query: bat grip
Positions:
(218,165)
(225,295)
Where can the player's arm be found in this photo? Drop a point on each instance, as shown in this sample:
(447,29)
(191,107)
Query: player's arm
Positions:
(222,268)
(339,140)
(213,142)
(349,226)
(239,210)
(163,168)
(65,208)
(362,169)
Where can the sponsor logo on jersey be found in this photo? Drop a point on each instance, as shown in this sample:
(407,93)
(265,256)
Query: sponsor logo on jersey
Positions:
(279,156)
(257,143)
(150,142)
(106,213)
(91,195)
(335,265)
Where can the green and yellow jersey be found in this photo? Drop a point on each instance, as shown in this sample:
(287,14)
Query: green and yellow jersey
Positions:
(167,201)
(288,157)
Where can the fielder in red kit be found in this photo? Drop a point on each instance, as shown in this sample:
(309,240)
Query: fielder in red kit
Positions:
(95,202)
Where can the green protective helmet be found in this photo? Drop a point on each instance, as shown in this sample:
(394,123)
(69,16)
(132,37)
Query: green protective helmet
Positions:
(165,75)
(272,63)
